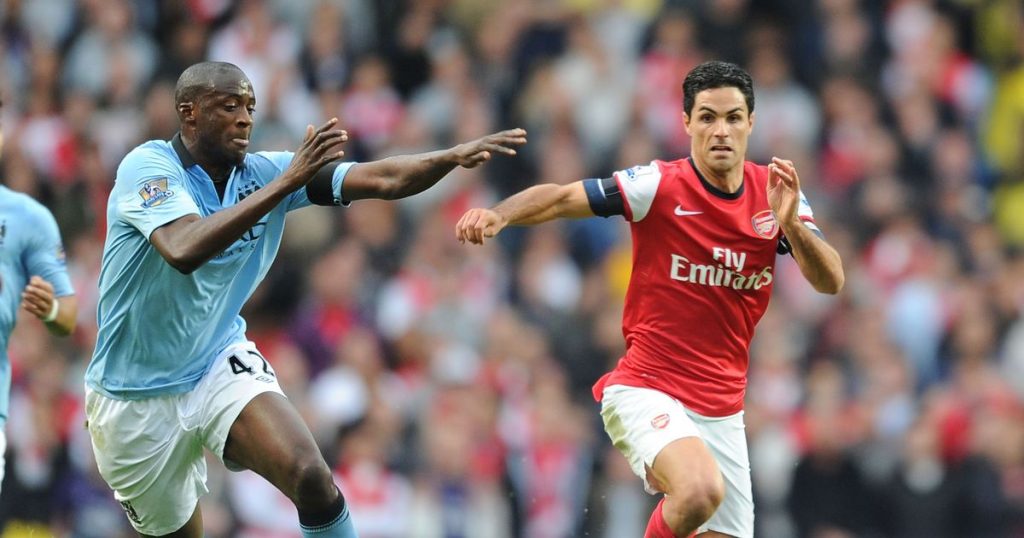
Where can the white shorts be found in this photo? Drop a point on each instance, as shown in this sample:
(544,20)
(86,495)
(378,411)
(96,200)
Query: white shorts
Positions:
(641,422)
(150,451)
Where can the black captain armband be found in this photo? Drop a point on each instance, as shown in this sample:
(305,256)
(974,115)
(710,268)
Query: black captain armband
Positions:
(604,197)
(784,246)
(320,190)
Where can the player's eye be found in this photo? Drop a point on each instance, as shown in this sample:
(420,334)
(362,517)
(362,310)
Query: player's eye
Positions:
(252,111)
(707,118)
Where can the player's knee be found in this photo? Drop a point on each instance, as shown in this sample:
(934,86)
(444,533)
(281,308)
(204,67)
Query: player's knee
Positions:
(697,501)
(707,498)
(313,482)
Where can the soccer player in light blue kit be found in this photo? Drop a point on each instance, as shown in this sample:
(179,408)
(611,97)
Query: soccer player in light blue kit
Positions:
(32,273)
(193,226)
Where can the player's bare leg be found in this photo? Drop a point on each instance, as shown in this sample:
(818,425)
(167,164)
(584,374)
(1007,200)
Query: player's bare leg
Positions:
(688,474)
(270,438)
(193,528)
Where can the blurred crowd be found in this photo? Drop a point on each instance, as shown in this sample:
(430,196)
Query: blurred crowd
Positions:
(449,384)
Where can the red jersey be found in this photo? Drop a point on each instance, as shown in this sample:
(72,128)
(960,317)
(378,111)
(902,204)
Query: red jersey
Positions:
(703,268)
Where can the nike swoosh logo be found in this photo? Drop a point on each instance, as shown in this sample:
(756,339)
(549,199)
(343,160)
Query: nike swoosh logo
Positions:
(683,213)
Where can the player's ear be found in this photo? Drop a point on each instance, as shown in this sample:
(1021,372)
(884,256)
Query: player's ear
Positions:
(686,122)
(186,111)
(751,120)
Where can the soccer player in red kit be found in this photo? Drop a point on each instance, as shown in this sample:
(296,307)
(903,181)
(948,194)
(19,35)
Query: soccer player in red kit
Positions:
(706,230)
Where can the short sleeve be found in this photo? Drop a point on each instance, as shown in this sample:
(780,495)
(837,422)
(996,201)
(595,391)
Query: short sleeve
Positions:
(638,184)
(45,253)
(151,191)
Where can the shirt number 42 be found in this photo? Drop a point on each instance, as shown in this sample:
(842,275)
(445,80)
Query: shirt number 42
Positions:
(265,372)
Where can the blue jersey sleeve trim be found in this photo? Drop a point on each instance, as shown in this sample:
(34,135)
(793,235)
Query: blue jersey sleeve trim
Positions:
(338,180)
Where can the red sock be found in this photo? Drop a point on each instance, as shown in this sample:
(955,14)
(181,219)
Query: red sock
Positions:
(656,526)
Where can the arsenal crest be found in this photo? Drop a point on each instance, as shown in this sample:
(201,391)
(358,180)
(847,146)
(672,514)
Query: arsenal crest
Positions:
(765,224)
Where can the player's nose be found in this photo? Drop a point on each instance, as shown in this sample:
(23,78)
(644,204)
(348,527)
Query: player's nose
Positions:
(244,118)
(720,129)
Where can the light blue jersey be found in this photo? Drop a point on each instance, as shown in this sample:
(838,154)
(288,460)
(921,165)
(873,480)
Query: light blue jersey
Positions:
(30,246)
(159,330)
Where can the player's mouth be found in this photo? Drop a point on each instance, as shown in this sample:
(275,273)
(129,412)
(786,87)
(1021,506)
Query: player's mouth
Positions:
(719,147)
(240,142)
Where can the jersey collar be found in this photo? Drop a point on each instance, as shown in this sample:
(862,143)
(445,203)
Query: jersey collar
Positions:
(713,189)
(183,155)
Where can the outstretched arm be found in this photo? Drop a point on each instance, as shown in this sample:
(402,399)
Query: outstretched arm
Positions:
(59,313)
(405,175)
(534,205)
(190,241)
(818,261)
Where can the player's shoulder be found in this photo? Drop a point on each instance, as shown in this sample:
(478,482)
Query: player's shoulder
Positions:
(756,171)
(677,166)
(30,215)
(153,153)
(22,201)
(652,170)
(267,164)
(267,156)
(159,149)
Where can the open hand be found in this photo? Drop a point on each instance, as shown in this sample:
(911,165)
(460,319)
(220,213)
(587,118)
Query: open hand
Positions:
(478,224)
(319,147)
(38,297)
(783,189)
(473,153)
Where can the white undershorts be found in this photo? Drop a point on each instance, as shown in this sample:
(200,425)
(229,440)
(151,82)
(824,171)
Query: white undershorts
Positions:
(150,451)
(641,422)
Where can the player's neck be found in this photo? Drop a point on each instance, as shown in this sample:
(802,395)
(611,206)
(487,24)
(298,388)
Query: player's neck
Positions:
(215,168)
(219,175)
(728,181)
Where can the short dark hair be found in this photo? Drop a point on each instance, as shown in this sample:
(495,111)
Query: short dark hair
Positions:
(717,74)
(198,79)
